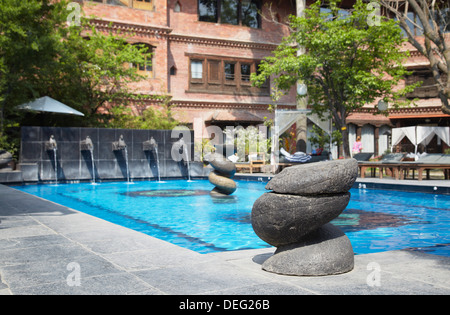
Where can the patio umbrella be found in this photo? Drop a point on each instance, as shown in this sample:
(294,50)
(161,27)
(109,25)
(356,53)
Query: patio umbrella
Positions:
(48,104)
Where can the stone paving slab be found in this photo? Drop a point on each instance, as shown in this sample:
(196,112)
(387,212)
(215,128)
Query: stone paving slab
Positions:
(47,248)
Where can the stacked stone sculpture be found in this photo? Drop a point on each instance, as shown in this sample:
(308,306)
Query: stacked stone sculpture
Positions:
(222,175)
(294,217)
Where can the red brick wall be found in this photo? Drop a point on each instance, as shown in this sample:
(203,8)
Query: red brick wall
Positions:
(182,34)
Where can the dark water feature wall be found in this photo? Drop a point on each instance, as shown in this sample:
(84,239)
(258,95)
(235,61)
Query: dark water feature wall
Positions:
(102,158)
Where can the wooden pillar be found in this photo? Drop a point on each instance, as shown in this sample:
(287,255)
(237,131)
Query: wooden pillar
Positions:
(302,122)
(376,136)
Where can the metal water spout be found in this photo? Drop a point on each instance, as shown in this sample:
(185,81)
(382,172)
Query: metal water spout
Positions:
(151,145)
(180,144)
(51,145)
(119,146)
(87,145)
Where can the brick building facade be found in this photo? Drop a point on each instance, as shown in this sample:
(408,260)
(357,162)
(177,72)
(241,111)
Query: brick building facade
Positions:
(203,55)
(205,50)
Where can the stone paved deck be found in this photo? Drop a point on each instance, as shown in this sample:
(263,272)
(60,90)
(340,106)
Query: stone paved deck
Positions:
(46,248)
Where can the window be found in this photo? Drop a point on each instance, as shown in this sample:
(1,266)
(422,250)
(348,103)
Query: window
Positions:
(428,89)
(123,3)
(224,76)
(197,69)
(213,71)
(177,7)
(142,4)
(235,12)
(229,13)
(249,13)
(207,10)
(229,71)
(136,4)
(146,69)
(245,72)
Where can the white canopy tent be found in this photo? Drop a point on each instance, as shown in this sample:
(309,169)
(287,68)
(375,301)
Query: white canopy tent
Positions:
(284,119)
(420,134)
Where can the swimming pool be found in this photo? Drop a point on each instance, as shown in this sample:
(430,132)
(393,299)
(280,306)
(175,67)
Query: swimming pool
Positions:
(184,214)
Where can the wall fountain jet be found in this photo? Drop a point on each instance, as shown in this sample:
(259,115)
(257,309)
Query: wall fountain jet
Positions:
(51,145)
(180,147)
(152,146)
(87,145)
(122,146)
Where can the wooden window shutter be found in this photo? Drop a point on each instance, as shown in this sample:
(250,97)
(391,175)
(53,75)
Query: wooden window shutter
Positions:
(214,71)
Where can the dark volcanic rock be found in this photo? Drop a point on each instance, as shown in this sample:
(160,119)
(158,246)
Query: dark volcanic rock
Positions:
(325,251)
(223,184)
(316,178)
(223,166)
(282,219)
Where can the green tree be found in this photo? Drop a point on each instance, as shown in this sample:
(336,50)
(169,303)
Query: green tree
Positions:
(320,139)
(149,118)
(347,62)
(28,44)
(42,54)
(428,20)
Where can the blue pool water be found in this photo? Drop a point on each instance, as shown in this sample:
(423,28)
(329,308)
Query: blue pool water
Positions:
(184,214)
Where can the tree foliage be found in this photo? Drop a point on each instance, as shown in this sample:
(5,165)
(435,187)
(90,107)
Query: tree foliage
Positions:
(43,54)
(346,62)
(149,118)
(428,20)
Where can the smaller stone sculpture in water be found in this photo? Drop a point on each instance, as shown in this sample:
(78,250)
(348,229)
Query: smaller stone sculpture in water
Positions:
(294,217)
(222,175)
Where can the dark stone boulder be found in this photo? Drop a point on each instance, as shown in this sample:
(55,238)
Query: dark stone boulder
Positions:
(223,184)
(325,251)
(294,217)
(222,166)
(328,177)
(282,219)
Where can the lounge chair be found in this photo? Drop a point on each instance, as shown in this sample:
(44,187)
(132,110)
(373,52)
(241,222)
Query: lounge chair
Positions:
(286,159)
(363,156)
(256,161)
(389,163)
(426,163)
(297,157)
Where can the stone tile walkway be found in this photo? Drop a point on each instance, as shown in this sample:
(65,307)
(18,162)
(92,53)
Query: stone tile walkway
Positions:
(47,248)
